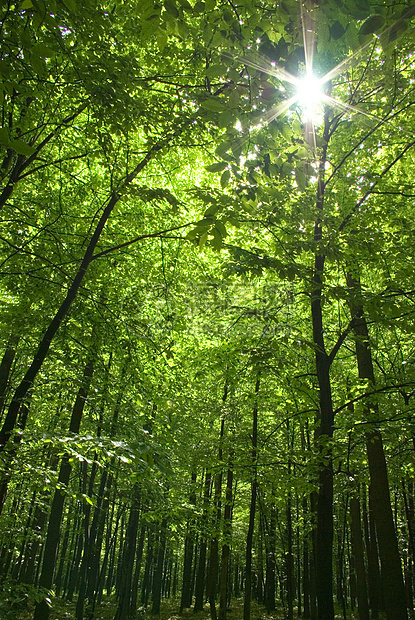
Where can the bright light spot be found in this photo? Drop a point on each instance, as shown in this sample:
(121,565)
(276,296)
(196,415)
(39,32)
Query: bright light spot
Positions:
(309,96)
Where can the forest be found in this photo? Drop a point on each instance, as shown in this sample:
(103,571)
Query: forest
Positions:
(207,362)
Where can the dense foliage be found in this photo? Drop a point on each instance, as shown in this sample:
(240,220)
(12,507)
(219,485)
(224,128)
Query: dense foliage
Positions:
(207,307)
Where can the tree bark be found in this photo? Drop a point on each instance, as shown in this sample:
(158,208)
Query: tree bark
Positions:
(5,367)
(357,545)
(42,609)
(270,561)
(200,575)
(227,532)
(158,573)
(186,595)
(251,524)
(214,545)
(391,573)
(324,534)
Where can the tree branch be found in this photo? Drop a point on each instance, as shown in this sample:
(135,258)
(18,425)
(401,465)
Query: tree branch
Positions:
(148,236)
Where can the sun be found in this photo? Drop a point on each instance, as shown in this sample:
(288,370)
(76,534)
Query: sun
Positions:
(309,96)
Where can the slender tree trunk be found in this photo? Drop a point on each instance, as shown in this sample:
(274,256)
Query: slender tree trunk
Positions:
(126,559)
(270,561)
(227,532)
(251,525)
(5,368)
(158,573)
(357,546)
(408,498)
(341,555)
(306,564)
(289,560)
(42,609)
(59,573)
(186,596)
(145,588)
(372,560)
(324,534)
(101,511)
(200,576)
(313,569)
(76,556)
(214,545)
(11,453)
(138,562)
(391,574)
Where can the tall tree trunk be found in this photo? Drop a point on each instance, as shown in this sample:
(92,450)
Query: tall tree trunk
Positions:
(251,524)
(227,532)
(200,575)
(42,609)
(145,586)
(158,573)
(408,498)
(357,546)
(11,453)
(136,578)
(214,544)
(270,560)
(306,564)
(186,596)
(127,558)
(289,559)
(391,574)
(5,367)
(324,533)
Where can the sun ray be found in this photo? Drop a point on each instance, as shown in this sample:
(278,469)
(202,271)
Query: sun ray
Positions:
(347,62)
(309,34)
(279,109)
(263,65)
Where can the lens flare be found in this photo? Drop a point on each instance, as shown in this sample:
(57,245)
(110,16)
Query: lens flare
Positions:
(309,96)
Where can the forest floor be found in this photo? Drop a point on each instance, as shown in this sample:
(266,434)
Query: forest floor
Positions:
(169,611)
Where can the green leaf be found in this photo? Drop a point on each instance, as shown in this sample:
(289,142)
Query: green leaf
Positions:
(70,4)
(217,239)
(223,148)
(26,4)
(186,6)
(301,179)
(336,30)
(360,9)
(161,39)
(171,8)
(199,8)
(221,228)
(44,51)
(352,36)
(202,240)
(4,137)
(373,24)
(225,119)
(213,105)
(22,148)
(215,71)
(207,221)
(217,167)
(224,180)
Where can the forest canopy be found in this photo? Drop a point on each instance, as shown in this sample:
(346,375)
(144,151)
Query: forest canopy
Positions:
(207,366)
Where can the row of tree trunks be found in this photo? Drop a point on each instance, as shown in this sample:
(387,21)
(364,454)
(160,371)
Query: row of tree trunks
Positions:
(86,581)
